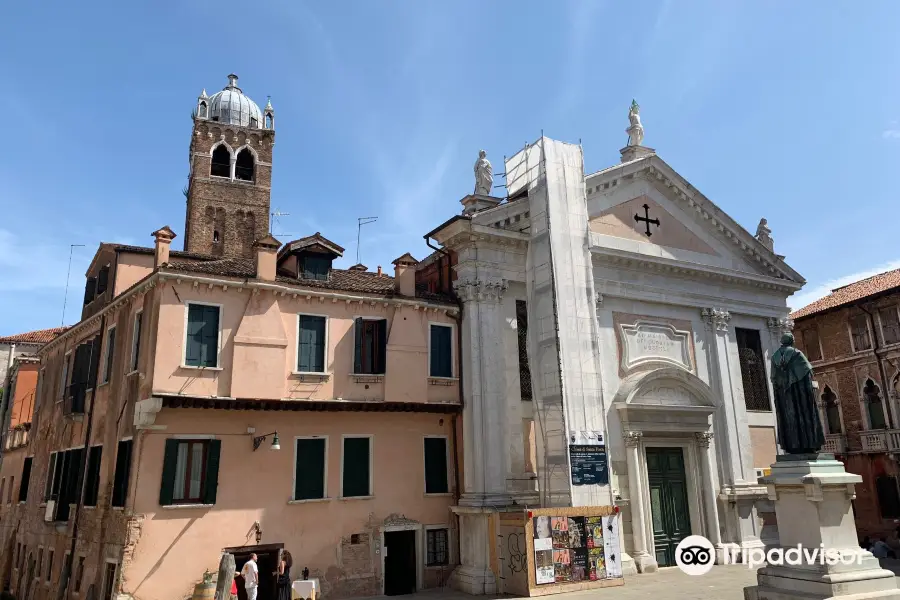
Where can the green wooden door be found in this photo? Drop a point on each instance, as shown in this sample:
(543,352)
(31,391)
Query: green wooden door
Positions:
(668,502)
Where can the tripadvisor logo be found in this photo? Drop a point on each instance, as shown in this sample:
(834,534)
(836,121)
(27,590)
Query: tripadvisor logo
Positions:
(695,555)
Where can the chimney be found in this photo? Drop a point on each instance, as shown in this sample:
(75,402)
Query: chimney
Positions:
(266,257)
(379,271)
(405,275)
(164,237)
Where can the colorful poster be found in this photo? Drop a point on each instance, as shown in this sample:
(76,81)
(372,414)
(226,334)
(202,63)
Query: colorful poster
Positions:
(576,532)
(542,527)
(597,564)
(593,527)
(543,567)
(543,544)
(611,550)
(562,565)
(560,526)
(580,567)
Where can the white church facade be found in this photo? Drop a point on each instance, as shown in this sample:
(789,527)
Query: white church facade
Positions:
(626,307)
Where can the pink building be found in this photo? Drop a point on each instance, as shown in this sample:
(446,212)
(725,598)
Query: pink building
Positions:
(241,396)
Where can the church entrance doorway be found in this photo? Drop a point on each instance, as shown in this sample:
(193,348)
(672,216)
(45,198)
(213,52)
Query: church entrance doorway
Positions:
(671,519)
(399,562)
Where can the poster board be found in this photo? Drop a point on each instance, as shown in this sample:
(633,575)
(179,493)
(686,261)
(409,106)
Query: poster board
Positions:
(587,457)
(572,549)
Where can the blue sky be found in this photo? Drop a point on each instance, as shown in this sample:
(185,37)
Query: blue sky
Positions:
(788,110)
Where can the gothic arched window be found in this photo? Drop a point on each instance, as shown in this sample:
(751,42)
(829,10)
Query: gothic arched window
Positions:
(832,411)
(203,110)
(874,406)
(243,167)
(221,162)
(268,121)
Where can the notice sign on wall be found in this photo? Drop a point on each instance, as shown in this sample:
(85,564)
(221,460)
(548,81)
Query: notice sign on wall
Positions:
(587,455)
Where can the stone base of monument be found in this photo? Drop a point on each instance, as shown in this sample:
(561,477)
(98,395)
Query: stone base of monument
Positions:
(812,494)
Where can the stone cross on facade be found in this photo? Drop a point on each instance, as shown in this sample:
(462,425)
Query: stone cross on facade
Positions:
(647,220)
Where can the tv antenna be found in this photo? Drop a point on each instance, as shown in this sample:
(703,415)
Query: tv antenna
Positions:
(68,273)
(274,217)
(360,221)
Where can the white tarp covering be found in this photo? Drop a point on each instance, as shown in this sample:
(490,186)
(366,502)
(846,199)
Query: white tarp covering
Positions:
(563,329)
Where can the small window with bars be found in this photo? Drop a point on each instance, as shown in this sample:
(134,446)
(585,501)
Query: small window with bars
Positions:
(437,545)
(753,370)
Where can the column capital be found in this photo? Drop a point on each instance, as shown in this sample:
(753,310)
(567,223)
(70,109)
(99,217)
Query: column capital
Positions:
(716,318)
(703,438)
(780,326)
(633,438)
(485,290)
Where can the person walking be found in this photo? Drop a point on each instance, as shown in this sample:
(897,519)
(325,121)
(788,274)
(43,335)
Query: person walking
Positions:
(250,573)
(284,576)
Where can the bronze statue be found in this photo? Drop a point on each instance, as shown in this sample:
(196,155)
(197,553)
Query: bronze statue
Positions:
(799,427)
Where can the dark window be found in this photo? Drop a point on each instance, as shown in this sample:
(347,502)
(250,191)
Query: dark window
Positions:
(102,280)
(84,371)
(371,346)
(753,370)
(123,473)
(437,547)
(874,405)
(203,110)
(859,333)
(888,497)
(79,573)
(243,166)
(315,267)
(309,474)
(202,344)
(49,564)
(311,344)
(92,483)
(9,492)
(890,326)
(522,333)
(26,479)
(441,351)
(811,344)
(40,563)
(221,162)
(436,466)
(254,123)
(356,479)
(110,353)
(136,340)
(832,411)
(90,289)
(109,581)
(190,472)
(48,485)
(67,482)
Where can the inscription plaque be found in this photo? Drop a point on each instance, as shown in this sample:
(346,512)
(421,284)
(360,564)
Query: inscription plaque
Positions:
(654,342)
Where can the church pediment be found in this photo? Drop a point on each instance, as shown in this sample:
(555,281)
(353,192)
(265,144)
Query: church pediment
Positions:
(684,225)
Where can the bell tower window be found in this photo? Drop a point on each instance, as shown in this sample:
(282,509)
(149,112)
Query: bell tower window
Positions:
(216,236)
(221,162)
(203,110)
(268,121)
(243,167)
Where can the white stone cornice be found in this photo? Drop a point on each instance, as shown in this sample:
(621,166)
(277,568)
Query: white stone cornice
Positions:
(633,438)
(716,318)
(480,290)
(780,326)
(703,438)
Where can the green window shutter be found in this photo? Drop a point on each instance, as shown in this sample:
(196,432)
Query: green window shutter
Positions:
(92,487)
(210,337)
(123,472)
(357,360)
(211,485)
(110,352)
(318,344)
(356,467)
(311,351)
(170,463)
(192,337)
(95,349)
(382,347)
(436,466)
(309,478)
(26,479)
(441,364)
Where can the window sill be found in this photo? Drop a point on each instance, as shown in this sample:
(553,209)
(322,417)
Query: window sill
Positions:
(356,498)
(311,376)
(103,384)
(193,368)
(437,567)
(448,381)
(310,500)
(186,506)
(439,495)
(122,508)
(367,378)
(130,373)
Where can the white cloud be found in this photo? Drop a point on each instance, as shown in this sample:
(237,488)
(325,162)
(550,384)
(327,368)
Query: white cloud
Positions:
(811,294)
(890,134)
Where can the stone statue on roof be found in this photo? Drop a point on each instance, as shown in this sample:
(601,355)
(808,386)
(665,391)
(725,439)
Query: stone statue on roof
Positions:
(764,235)
(635,130)
(799,427)
(484,175)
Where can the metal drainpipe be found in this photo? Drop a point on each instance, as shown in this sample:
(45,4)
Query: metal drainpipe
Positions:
(884,382)
(65,578)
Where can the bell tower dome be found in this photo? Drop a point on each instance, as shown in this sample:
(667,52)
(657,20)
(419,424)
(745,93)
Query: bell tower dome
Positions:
(231,173)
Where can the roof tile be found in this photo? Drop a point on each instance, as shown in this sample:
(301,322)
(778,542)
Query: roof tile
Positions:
(854,292)
(41,336)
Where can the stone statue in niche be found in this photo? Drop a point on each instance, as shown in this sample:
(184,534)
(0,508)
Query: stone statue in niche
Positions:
(635,130)
(764,234)
(799,427)
(484,174)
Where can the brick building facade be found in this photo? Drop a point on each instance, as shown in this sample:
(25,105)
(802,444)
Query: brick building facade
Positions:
(852,339)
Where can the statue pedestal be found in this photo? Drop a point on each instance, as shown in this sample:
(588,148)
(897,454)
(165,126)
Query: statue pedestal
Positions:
(812,496)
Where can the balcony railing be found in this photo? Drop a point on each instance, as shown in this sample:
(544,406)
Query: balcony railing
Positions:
(873,441)
(835,443)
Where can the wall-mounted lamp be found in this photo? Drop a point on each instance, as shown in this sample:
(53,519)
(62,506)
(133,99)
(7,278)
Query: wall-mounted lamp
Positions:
(258,440)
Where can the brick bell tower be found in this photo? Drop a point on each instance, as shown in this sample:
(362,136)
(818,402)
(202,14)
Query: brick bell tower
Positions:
(231,174)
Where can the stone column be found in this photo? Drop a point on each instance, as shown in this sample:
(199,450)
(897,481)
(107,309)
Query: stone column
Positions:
(644,562)
(710,509)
